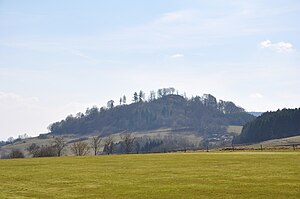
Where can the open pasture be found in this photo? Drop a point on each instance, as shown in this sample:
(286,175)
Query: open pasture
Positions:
(172,175)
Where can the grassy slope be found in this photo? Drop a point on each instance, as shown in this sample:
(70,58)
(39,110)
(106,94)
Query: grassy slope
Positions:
(234,129)
(159,133)
(174,175)
(191,136)
(282,141)
(276,143)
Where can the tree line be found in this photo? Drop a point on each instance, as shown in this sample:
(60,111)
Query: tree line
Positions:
(97,145)
(271,125)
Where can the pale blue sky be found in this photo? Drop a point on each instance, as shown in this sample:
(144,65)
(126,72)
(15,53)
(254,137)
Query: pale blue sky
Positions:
(60,57)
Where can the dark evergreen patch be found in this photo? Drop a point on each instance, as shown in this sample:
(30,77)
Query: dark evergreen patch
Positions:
(271,125)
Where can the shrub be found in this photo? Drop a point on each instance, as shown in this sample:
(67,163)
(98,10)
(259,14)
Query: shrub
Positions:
(16,153)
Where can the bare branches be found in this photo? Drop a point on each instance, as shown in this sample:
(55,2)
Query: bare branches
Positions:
(95,144)
(59,144)
(80,148)
(16,153)
(108,145)
(128,141)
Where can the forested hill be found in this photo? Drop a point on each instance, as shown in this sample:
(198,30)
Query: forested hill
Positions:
(271,125)
(165,110)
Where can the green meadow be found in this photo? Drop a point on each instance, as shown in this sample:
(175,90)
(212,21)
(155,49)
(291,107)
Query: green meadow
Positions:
(171,175)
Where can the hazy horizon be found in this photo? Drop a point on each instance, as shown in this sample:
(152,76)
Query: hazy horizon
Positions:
(58,58)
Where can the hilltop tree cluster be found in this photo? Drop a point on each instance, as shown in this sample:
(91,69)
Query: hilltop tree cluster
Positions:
(163,109)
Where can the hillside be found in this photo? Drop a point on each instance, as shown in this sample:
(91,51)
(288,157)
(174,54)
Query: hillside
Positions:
(288,141)
(167,122)
(200,114)
(271,125)
(168,139)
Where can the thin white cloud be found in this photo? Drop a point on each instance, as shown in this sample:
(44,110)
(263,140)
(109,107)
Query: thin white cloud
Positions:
(265,44)
(278,47)
(177,56)
(177,17)
(42,46)
(6,97)
(31,45)
(256,96)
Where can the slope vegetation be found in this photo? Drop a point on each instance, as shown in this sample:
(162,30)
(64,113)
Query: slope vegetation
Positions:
(202,114)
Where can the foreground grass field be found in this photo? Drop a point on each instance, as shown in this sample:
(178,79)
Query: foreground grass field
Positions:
(174,175)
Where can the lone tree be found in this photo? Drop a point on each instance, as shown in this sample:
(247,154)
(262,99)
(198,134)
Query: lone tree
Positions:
(95,144)
(137,146)
(135,97)
(128,141)
(141,96)
(59,144)
(108,145)
(124,99)
(152,96)
(10,140)
(110,104)
(80,148)
(33,149)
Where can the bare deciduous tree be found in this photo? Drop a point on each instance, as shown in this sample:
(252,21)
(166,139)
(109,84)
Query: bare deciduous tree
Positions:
(95,144)
(42,151)
(10,140)
(108,145)
(80,148)
(16,153)
(128,140)
(59,144)
(33,149)
(137,146)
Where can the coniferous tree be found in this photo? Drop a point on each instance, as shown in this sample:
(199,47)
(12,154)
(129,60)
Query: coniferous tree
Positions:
(271,125)
(141,96)
(124,99)
(135,97)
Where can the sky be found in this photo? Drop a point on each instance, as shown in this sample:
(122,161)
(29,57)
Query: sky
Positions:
(60,57)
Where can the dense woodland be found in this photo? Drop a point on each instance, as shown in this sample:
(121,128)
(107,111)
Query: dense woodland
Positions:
(163,109)
(271,125)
